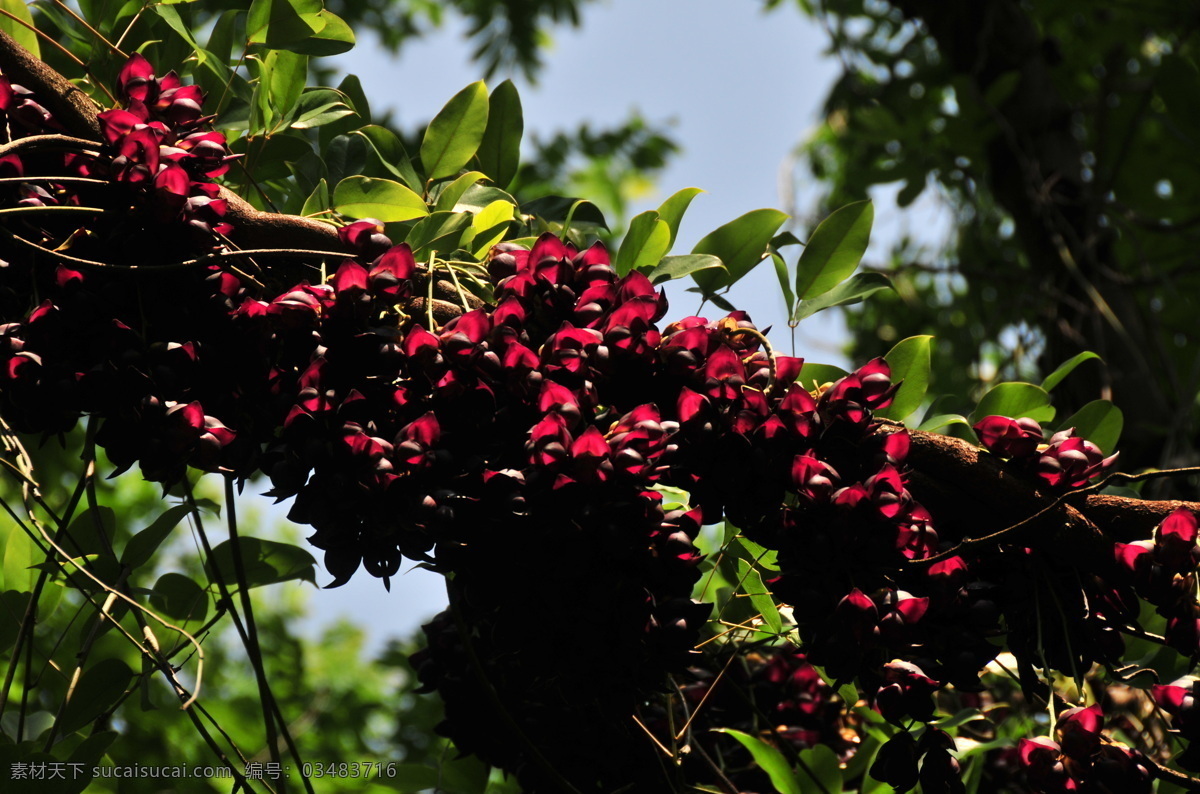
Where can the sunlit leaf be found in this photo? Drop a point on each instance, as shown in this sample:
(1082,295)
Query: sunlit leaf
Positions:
(448,198)
(500,150)
(910,364)
(834,249)
(813,374)
(456,132)
(332,37)
(853,290)
(22,34)
(1015,400)
(671,211)
(769,760)
(646,242)
(490,225)
(364,197)
(752,585)
(819,770)
(673,267)
(1100,422)
(740,244)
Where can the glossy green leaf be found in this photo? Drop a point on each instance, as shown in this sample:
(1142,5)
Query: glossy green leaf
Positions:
(769,760)
(819,770)
(479,196)
(785,283)
(813,374)
(174,21)
(853,290)
(318,202)
(673,267)
(671,211)
(141,547)
(957,422)
(456,132)
(500,149)
(490,225)
(439,227)
(1100,422)
(1015,400)
(910,364)
(279,23)
(1056,377)
(23,35)
(98,689)
(264,561)
(752,585)
(332,37)
(834,250)
(177,596)
(288,74)
(448,199)
(319,107)
(740,244)
(646,242)
(388,153)
(364,197)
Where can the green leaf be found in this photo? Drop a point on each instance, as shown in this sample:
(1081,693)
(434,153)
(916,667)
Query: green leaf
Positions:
(141,547)
(500,149)
(364,197)
(279,23)
(98,689)
(332,37)
(785,284)
(819,770)
(390,154)
(1015,400)
(171,16)
(740,244)
(1100,422)
(319,107)
(414,778)
(20,555)
(456,132)
(1056,377)
(318,201)
(812,374)
(957,422)
(671,211)
(834,249)
(490,225)
(646,242)
(23,35)
(910,362)
(264,561)
(752,585)
(559,208)
(1178,84)
(177,596)
(769,760)
(448,199)
(288,74)
(853,290)
(673,267)
(439,226)
(92,532)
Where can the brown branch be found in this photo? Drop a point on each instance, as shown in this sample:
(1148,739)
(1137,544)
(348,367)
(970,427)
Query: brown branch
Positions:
(976,496)
(71,107)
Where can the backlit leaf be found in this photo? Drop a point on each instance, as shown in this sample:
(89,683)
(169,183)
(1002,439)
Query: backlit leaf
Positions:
(364,197)
(740,244)
(456,132)
(834,249)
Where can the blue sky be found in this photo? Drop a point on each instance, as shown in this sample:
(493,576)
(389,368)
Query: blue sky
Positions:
(739,88)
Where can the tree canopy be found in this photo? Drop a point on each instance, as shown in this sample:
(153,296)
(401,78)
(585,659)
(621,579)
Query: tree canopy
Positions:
(677,560)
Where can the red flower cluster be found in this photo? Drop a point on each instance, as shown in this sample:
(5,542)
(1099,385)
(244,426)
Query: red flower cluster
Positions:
(1083,759)
(1065,461)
